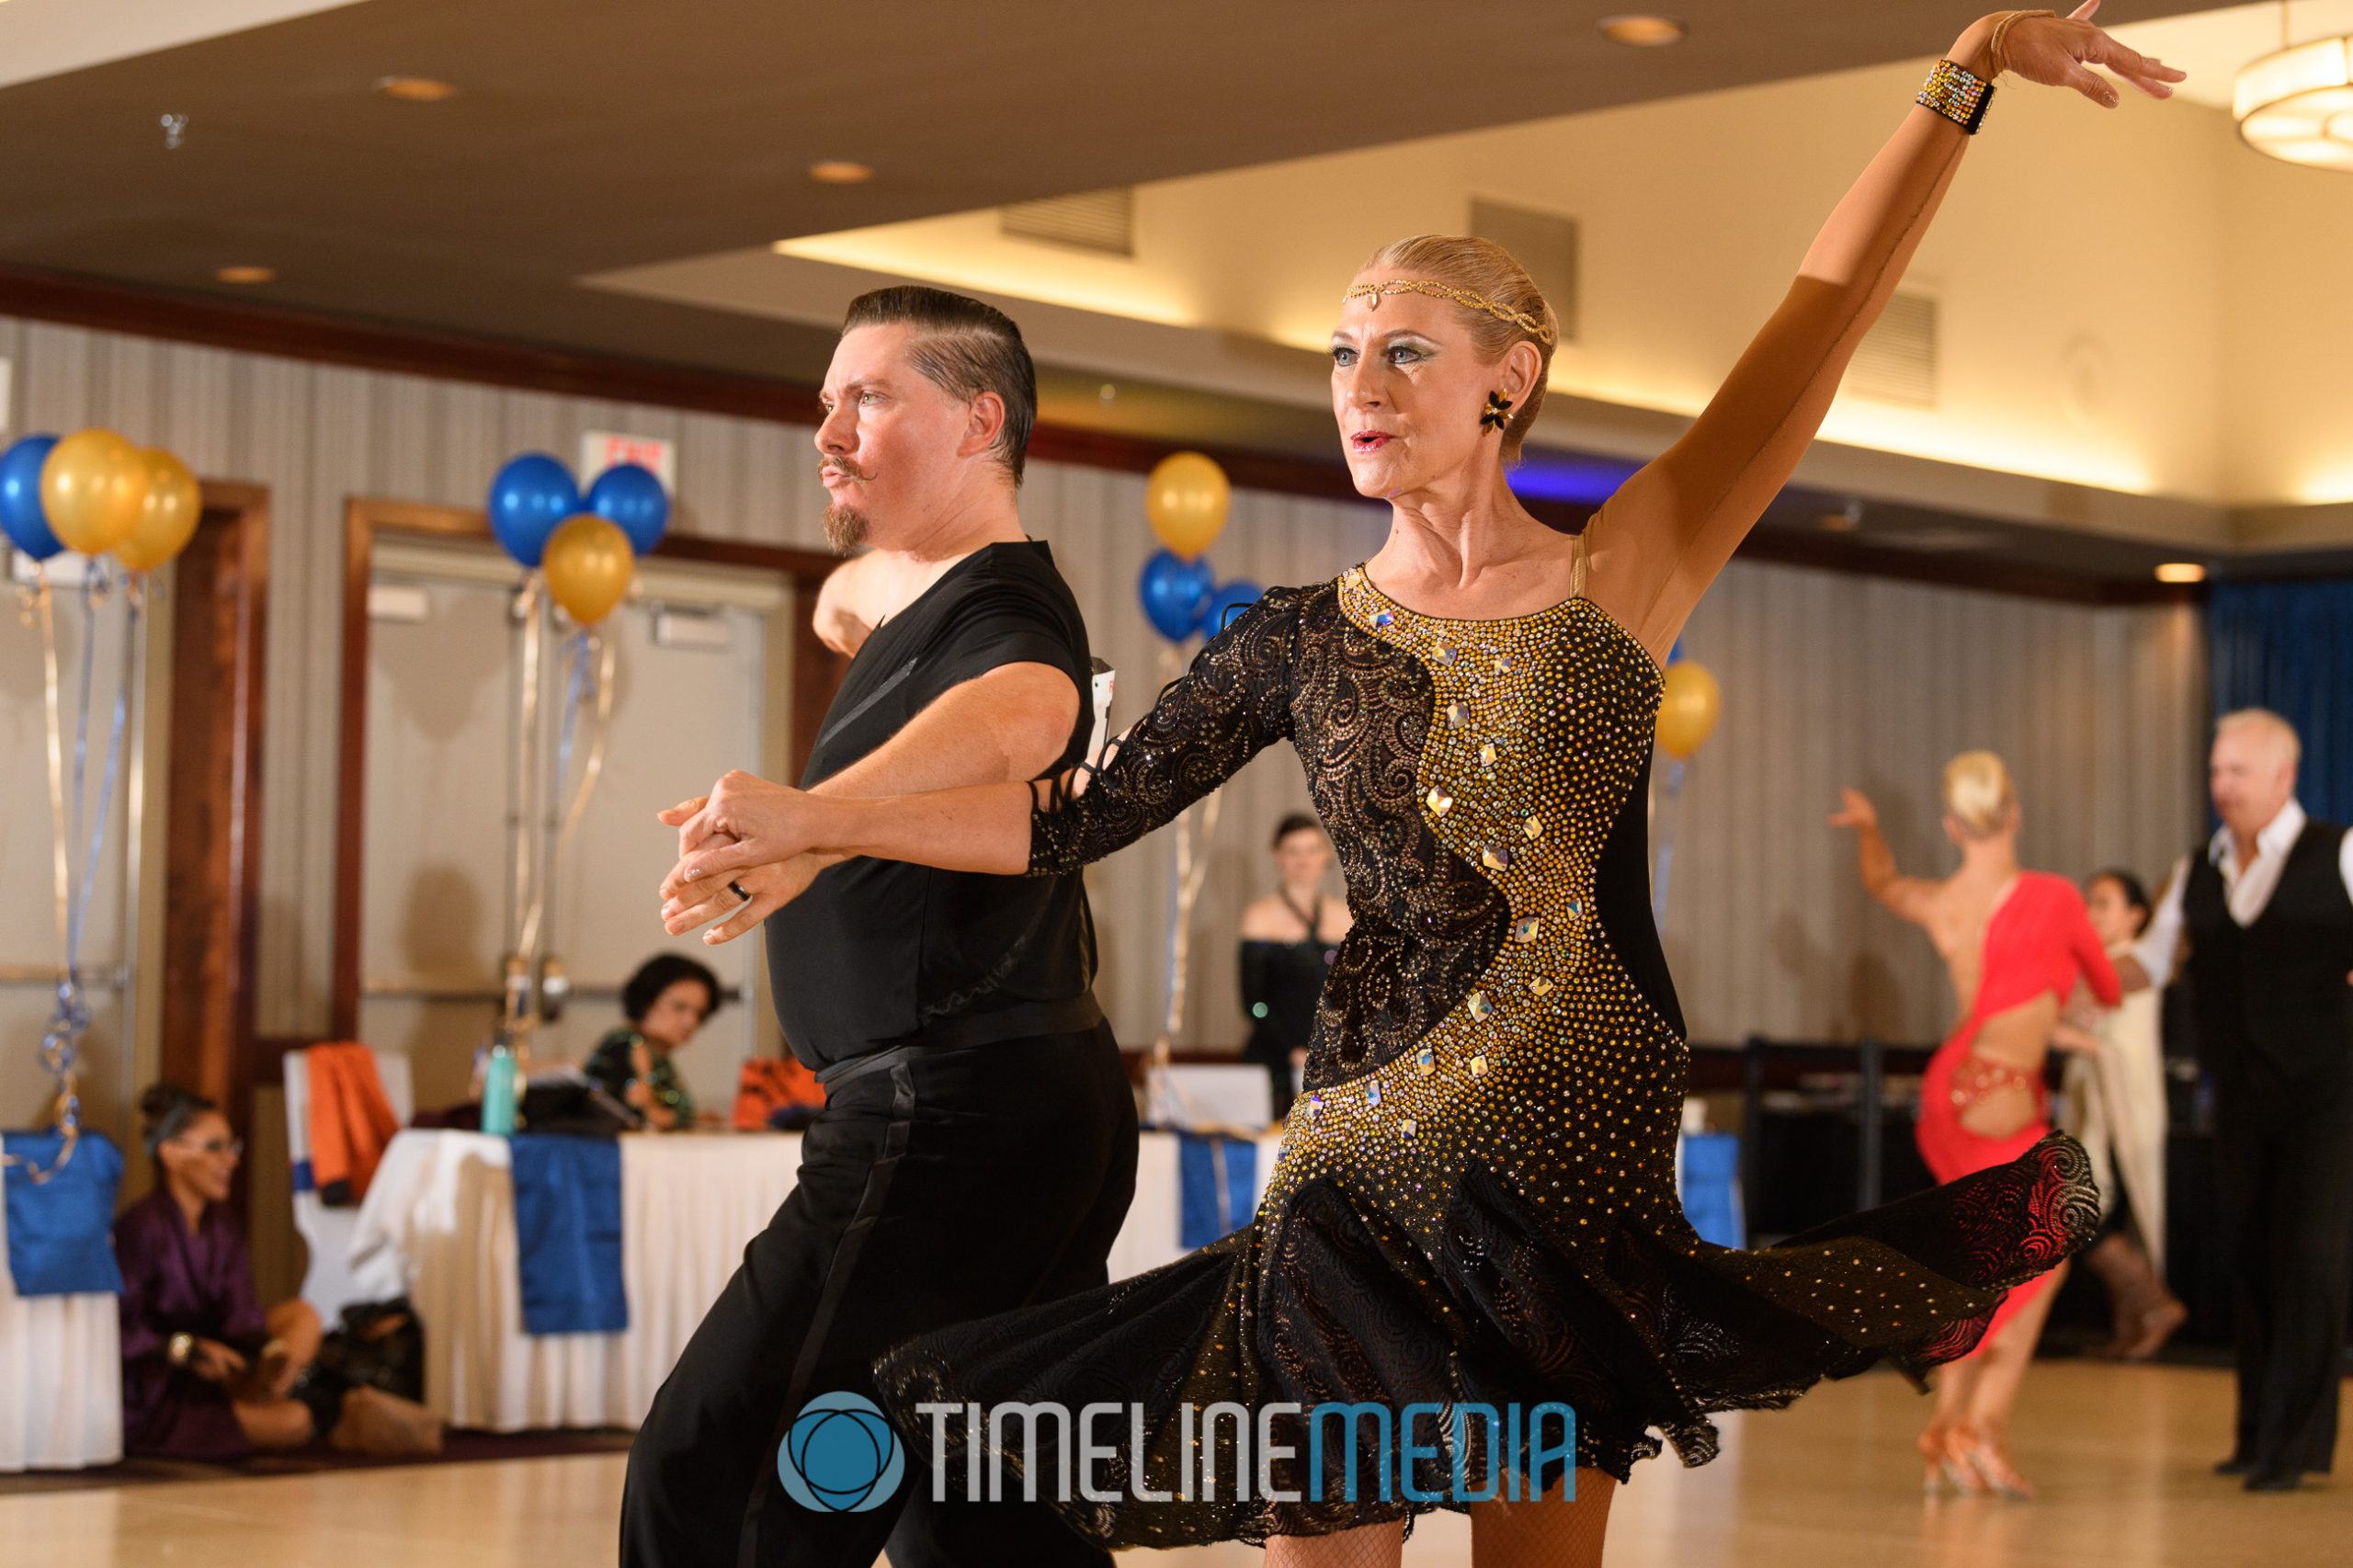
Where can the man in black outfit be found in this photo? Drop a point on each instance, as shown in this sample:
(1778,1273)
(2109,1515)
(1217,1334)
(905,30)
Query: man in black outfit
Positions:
(978,1145)
(2269,911)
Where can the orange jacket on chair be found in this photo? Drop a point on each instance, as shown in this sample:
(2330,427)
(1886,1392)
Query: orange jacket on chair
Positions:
(350,1121)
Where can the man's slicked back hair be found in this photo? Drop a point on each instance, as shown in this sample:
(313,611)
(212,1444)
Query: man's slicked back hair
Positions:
(964,348)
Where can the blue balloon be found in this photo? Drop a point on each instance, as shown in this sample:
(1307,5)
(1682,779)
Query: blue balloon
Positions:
(1675,654)
(531,494)
(21,514)
(1228,600)
(1175,591)
(629,495)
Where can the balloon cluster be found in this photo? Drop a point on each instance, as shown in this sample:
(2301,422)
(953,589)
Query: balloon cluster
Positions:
(1187,499)
(95,493)
(587,548)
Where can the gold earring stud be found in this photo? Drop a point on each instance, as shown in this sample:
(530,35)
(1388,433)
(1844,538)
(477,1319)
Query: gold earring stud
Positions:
(1498,413)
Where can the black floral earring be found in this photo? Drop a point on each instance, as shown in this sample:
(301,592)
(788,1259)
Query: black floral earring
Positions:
(1498,413)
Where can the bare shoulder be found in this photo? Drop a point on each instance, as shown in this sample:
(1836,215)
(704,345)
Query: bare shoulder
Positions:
(1627,573)
(1934,904)
(1268,919)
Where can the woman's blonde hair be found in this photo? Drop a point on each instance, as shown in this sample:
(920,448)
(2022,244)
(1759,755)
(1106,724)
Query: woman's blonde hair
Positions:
(1978,794)
(1485,268)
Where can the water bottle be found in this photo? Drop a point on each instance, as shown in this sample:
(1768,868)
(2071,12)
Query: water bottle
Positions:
(498,1093)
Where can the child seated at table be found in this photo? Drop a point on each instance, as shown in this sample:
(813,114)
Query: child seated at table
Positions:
(207,1374)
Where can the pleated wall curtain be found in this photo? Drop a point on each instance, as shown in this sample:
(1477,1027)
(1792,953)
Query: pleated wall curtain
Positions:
(2288,647)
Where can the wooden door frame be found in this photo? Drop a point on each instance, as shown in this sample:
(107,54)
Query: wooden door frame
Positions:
(213,801)
(816,673)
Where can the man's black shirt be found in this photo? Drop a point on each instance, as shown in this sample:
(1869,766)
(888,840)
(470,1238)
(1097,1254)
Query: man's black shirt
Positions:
(880,953)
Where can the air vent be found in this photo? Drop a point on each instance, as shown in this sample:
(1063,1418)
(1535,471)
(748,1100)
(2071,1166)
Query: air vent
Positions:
(1103,221)
(1545,243)
(677,627)
(405,604)
(1935,539)
(1896,361)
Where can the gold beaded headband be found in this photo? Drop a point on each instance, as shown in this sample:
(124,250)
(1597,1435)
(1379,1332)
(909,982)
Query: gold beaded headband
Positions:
(1539,330)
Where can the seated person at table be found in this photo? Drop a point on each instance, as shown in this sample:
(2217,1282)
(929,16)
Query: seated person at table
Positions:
(207,1374)
(667,999)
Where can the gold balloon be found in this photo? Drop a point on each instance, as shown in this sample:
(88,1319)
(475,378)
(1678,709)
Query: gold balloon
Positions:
(168,520)
(93,487)
(1187,498)
(1688,711)
(588,563)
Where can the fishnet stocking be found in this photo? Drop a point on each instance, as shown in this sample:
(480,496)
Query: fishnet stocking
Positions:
(1367,1546)
(1546,1532)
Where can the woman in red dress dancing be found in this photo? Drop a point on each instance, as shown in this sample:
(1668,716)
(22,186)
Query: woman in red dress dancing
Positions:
(2017,944)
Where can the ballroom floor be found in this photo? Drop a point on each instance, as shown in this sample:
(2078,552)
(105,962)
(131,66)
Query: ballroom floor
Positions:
(2121,1454)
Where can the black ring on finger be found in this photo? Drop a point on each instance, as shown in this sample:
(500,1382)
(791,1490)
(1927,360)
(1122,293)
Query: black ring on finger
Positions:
(737,889)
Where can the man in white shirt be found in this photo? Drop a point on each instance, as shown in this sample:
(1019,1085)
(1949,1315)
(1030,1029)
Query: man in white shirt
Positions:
(2268,911)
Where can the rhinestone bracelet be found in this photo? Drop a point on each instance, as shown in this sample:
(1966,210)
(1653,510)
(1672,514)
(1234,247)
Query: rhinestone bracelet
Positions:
(1958,93)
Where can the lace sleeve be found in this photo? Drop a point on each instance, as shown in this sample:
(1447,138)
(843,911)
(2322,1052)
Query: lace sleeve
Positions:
(1233,703)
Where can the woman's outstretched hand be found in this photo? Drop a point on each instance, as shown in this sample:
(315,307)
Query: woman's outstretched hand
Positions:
(1855,811)
(2059,52)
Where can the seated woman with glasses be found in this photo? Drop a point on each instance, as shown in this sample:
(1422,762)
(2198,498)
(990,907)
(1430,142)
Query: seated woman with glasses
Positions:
(207,1374)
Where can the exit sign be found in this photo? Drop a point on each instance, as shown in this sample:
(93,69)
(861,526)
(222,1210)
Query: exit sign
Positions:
(601,449)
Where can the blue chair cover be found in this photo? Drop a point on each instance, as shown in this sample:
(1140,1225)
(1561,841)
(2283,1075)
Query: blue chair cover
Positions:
(568,1233)
(60,1232)
(1711,1188)
(1206,1210)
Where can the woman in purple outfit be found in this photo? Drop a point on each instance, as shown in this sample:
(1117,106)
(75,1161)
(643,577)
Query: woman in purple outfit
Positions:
(207,1374)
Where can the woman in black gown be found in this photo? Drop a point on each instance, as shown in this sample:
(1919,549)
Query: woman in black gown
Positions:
(1289,941)
(1478,1203)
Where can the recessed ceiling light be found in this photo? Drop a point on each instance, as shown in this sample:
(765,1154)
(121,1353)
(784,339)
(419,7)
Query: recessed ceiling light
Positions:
(1642,31)
(840,171)
(415,89)
(2181,572)
(246,274)
(1108,394)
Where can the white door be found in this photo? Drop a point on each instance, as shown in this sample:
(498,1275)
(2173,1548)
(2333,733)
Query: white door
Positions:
(698,651)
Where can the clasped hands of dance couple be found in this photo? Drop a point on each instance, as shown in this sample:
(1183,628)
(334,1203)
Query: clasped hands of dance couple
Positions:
(744,852)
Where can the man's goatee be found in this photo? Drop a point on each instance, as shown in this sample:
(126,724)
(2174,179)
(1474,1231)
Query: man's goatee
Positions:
(845,528)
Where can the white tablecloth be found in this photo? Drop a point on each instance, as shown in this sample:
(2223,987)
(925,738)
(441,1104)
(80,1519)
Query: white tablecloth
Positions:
(439,1225)
(61,1377)
(1149,1238)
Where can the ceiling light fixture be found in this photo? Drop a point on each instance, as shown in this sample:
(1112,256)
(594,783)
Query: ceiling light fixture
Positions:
(840,171)
(2181,572)
(245,272)
(1642,31)
(415,89)
(2296,103)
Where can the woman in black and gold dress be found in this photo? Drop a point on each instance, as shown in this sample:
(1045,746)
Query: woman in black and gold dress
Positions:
(1476,1202)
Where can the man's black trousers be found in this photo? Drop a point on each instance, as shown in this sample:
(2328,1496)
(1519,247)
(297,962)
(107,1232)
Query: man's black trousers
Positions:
(935,1188)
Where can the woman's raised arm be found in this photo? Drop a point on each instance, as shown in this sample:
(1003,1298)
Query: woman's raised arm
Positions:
(1661,540)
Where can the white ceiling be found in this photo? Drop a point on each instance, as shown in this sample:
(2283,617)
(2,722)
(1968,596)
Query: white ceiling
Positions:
(2213,45)
(49,38)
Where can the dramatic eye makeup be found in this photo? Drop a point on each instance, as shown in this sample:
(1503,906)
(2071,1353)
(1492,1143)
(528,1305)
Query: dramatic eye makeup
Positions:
(1397,348)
